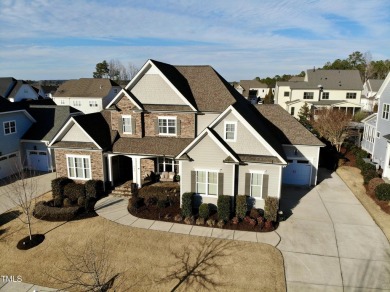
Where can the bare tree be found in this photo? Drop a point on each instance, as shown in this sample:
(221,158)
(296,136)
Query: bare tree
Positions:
(332,124)
(132,70)
(199,264)
(88,268)
(22,189)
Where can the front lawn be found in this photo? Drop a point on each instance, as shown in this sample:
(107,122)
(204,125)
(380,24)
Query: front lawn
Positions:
(144,258)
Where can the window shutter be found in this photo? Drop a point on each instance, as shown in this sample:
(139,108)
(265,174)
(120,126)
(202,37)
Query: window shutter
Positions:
(120,125)
(247,184)
(133,125)
(220,183)
(264,193)
(178,128)
(193,181)
(156,131)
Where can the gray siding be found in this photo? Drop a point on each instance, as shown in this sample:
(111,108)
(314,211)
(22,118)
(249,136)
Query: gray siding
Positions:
(76,134)
(153,89)
(246,142)
(203,121)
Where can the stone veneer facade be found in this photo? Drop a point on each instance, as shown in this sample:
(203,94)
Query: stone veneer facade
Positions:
(96,158)
(147,166)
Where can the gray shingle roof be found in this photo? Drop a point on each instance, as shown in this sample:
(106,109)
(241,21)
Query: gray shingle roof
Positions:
(85,87)
(375,84)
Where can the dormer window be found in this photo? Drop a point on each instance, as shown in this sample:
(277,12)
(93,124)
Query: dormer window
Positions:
(230,131)
(127,125)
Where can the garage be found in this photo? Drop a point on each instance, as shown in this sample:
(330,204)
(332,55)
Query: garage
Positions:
(8,165)
(38,160)
(297,172)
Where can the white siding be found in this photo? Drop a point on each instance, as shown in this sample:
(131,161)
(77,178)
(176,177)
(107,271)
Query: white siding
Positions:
(76,134)
(202,121)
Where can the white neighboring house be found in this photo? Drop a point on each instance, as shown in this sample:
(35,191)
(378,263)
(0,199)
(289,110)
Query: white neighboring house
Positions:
(340,89)
(88,95)
(376,136)
(369,94)
(16,90)
(252,90)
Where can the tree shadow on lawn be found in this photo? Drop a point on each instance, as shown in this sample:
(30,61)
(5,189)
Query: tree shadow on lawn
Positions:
(6,218)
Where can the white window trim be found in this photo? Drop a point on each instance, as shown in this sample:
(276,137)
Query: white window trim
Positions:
(167,118)
(79,156)
(207,182)
(10,133)
(93,103)
(354,94)
(262,172)
(386,112)
(76,102)
(162,161)
(123,124)
(235,131)
(308,93)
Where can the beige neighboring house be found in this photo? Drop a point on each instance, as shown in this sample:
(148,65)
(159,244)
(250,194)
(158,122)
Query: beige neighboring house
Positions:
(88,95)
(341,89)
(252,90)
(369,94)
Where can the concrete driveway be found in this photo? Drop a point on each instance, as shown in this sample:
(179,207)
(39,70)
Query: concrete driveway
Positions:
(330,242)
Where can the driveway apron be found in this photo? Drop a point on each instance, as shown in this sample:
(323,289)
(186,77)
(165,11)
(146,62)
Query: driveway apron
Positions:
(329,241)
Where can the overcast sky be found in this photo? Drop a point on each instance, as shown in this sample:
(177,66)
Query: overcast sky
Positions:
(56,39)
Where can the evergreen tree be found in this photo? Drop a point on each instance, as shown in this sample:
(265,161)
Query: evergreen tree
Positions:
(102,70)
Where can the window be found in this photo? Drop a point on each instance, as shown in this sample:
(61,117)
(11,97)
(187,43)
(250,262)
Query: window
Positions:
(287,93)
(76,103)
(308,95)
(292,111)
(378,134)
(207,183)
(256,187)
(79,167)
(62,101)
(325,95)
(93,103)
(167,164)
(126,125)
(351,95)
(386,110)
(167,125)
(230,131)
(9,127)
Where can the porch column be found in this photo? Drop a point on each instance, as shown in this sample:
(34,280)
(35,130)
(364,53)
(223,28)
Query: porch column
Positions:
(136,170)
(110,169)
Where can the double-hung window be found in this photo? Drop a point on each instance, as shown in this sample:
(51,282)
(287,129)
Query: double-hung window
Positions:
(126,125)
(207,182)
(79,167)
(9,127)
(256,185)
(93,103)
(167,164)
(325,95)
(308,95)
(351,95)
(386,111)
(167,125)
(230,131)
(76,103)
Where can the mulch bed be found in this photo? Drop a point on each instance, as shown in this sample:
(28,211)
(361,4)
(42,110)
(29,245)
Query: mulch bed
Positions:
(168,214)
(26,243)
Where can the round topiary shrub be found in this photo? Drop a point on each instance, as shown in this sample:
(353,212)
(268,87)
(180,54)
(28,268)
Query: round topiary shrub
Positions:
(382,192)
(373,184)
(204,211)
(57,201)
(94,188)
(58,184)
(81,201)
(73,191)
(67,202)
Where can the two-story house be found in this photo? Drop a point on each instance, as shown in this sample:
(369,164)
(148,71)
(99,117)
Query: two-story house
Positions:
(186,120)
(88,95)
(16,90)
(341,89)
(369,98)
(376,135)
(252,90)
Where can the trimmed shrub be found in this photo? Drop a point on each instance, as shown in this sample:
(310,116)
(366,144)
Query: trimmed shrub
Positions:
(373,184)
(67,203)
(204,211)
(382,192)
(81,201)
(58,184)
(186,204)
(369,174)
(241,206)
(271,206)
(224,207)
(43,211)
(57,201)
(160,192)
(73,191)
(151,201)
(161,204)
(367,167)
(254,213)
(94,188)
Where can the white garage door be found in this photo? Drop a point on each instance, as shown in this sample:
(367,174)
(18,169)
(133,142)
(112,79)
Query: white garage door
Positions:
(297,172)
(8,165)
(38,160)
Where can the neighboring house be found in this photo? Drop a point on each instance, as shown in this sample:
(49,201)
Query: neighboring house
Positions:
(14,122)
(369,98)
(186,119)
(46,91)
(376,136)
(341,89)
(88,95)
(16,90)
(252,90)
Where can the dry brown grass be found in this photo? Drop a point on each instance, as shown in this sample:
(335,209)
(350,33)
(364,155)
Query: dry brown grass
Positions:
(144,257)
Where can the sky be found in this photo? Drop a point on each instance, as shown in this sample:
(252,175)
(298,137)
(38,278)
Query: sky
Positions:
(65,39)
